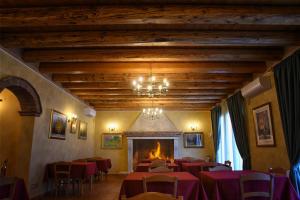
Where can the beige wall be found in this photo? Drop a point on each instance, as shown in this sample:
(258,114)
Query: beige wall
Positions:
(124,119)
(15,136)
(264,157)
(45,150)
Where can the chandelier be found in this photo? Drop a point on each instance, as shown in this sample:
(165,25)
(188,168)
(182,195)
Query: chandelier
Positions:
(150,86)
(152,113)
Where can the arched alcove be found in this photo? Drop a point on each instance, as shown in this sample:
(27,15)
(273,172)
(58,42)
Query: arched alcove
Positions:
(26,94)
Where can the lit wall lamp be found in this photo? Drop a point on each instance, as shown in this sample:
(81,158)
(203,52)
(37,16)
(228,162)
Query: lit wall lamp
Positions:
(72,118)
(112,127)
(194,127)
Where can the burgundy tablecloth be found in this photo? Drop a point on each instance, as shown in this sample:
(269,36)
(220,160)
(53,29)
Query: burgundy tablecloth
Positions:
(144,167)
(195,167)
(20,191)
(103,164)
(80,170)
(180,161)
(225,185)
(188,185)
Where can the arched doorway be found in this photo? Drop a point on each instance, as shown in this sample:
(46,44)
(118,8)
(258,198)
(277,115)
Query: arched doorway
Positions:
(19,104)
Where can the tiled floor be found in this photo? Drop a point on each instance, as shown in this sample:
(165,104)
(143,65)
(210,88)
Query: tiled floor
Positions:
(107,189)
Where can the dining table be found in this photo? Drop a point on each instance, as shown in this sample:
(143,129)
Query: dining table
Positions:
(20,191)
(79,170)
(188,185)
(103,164)
(195,167)
(144,167)
(225,185)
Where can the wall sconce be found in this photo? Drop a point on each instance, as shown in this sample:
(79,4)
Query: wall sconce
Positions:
(112,127)
(72,118)
(194,127)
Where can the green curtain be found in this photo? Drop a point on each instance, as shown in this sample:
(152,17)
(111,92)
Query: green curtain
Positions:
(236,108)
(287,81)
(215,120)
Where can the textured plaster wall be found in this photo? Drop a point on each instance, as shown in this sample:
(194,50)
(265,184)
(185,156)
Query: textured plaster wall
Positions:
(15,136)
(265,157)
(124,119)
(45,150)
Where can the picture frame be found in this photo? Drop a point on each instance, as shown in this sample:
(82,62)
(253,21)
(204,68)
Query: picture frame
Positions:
(112,141)
(193,140)
(74,126)
(82,130)
(58,125)
(264,131)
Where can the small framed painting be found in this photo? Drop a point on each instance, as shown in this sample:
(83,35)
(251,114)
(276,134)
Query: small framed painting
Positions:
(112,141)
(82,130)
(58,124)
(263,125)
(193,140)
(73,127)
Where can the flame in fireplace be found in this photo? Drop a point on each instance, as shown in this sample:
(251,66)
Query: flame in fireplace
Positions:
(155,153)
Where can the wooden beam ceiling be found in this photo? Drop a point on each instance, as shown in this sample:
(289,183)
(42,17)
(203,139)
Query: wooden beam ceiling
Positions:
(205,51)
(149,39)
(157,67)
(141,16)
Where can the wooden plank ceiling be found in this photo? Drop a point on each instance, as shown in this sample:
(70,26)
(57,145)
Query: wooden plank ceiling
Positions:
(95,48)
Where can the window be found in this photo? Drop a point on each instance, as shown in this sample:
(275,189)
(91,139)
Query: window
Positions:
(227,147)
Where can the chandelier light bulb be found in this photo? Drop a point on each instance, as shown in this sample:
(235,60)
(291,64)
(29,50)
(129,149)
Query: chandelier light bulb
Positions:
(134,82)
(141,79)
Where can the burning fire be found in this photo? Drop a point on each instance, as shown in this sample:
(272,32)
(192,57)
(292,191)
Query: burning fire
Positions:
(155,153)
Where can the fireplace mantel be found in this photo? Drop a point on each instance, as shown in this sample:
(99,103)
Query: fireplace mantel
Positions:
(152,134)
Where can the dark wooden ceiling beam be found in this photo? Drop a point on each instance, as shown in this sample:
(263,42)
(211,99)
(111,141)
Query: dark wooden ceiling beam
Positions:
(157,68)
(128,85)
(172,92)
(149,39)
(145,15)
(156,102)
(183,77)
(133,97)
(152,55)
(165,108)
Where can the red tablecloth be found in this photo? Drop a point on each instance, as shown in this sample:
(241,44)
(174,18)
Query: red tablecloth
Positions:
(195,167)
(188,185)
(225,185)
(103,164)
(180,161)
(81,170)
(144,167)
(20,191)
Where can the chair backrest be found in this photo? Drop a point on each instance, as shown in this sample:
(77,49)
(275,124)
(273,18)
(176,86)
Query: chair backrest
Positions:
(257,177)
(227,163)
(152,196)
(161,178)
(220,168)
(161,169)
(62,170)
(10,183)
(157,163)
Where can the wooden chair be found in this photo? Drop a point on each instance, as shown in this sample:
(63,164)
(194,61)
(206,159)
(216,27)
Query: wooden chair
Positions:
(257,177)
(62,173)
(227,163)
(161,178)
(152,196)
(219,168)
(160,169)
(158,163)
(9,182)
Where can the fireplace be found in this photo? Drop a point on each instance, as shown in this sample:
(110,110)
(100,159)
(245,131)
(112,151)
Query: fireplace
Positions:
(148,149)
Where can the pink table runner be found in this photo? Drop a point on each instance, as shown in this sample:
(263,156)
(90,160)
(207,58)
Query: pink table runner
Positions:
(144,167)
(195,167)
(225,185)
(188,185)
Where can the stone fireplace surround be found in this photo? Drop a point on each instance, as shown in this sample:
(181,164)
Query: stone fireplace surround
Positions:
(151,135)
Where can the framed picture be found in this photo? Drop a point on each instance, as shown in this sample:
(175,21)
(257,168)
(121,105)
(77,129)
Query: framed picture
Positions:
(193,140)
(58,125)
(82,130)
(74,125)
(112,141)
(263,125)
